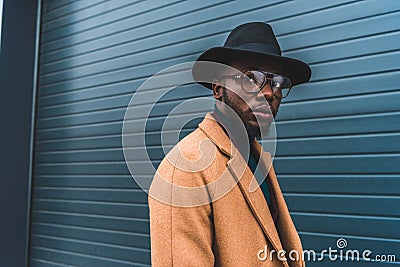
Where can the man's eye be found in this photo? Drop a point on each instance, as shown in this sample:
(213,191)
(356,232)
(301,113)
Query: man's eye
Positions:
(276,84)
(252,79)
(247,78)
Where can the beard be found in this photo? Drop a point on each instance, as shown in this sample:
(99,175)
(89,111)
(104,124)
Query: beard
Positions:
(253,130)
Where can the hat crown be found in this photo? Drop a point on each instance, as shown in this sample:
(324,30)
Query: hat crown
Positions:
(250,43)
(256,36)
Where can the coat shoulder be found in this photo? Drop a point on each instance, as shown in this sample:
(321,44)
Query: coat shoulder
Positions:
(194,156)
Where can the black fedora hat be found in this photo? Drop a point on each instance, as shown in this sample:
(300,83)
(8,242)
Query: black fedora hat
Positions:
(254,43)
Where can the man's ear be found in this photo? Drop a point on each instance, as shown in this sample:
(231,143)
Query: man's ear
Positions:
(217,89)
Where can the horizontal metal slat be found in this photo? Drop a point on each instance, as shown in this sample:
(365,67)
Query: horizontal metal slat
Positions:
(67,257)
(341,12)
(88,181)
(339,145)
(351,67)
(123,113)
(352,48)
(81,131)
(344,184)
(134,196)
(117,76)
(92,234)
(164,95)
(378,227)
(128,224)
(153,124)
(379,23)
(83,246)
(345,204)
(46,263)
(101,116)
(359,104)
(86,156)
(65,10)
(49,6)
(99,14)
(93,168)
(383,123)
(94,208)
(80,143)
(355,164)
(345,86)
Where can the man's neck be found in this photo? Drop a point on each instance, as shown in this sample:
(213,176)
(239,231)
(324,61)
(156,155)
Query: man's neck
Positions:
(240,139)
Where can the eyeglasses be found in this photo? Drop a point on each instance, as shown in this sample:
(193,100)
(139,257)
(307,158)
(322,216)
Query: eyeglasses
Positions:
(253,81)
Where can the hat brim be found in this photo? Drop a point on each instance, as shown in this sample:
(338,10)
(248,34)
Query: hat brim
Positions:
(296,70)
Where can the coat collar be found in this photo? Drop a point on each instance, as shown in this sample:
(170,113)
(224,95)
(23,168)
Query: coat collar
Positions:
(217,135)
(246,180)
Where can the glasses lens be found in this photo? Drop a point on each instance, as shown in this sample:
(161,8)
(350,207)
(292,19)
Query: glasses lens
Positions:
(281,82)
(252,81)
(280,85)
(285,92)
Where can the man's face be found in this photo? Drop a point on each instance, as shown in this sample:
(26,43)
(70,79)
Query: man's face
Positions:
(256,110)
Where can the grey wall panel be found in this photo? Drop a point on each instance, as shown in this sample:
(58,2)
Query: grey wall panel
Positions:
(338,135)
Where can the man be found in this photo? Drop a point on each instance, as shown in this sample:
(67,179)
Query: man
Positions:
(205,209)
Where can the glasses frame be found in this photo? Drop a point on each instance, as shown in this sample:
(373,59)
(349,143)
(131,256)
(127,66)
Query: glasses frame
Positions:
(268,76)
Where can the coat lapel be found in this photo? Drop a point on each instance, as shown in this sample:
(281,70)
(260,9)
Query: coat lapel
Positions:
(255,199)
(288,235)
(245,179)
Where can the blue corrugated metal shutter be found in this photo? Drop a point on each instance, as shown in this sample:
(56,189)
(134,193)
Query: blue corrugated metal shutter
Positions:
(337,156)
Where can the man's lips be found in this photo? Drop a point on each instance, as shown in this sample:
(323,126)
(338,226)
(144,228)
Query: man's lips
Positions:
(264,111)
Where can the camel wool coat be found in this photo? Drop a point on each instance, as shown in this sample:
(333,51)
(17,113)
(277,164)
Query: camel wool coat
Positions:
(234,227)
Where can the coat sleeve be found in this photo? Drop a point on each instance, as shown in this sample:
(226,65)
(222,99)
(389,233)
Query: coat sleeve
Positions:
(180,236)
